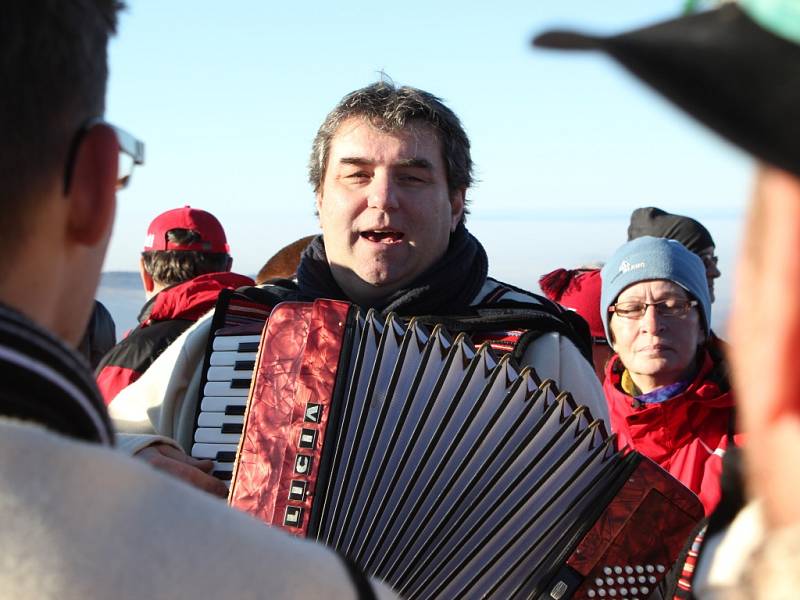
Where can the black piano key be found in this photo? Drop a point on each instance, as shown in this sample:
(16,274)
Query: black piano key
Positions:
(240,384)
(248,347)
(244,365)
(223,475)
(226,457)
(231,428)
(235,410)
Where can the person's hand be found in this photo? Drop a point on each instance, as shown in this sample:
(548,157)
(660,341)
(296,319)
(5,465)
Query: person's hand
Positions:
(178,464)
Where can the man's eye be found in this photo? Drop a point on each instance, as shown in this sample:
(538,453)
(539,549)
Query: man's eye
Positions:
(358,175)
(409,178)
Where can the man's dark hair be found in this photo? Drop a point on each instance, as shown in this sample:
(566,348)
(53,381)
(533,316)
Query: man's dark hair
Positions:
(168,267)
(390,108)
(53,68)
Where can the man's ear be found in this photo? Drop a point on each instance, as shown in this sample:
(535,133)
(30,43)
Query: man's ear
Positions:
(457,201)
(318,203)
(93,186)
(229,264)
(147,279)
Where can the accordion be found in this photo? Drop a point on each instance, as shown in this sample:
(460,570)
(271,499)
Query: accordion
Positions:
(444,470)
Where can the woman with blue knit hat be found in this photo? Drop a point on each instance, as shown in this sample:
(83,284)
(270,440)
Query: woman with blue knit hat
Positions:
(667,388)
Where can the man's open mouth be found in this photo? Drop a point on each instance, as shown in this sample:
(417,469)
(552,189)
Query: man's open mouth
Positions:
(383,236)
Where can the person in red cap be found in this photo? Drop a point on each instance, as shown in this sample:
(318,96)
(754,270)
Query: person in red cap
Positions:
(184,266)
(579,290)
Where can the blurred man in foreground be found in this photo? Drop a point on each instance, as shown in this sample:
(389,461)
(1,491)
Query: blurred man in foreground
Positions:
(737,69)
(81,520)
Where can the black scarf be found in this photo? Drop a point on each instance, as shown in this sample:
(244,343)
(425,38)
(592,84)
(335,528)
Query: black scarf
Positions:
(48,383)
(448,286)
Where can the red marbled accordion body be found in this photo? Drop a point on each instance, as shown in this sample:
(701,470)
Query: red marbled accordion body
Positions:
(296,369)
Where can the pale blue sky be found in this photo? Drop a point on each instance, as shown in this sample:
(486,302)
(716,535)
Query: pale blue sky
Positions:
(227,97)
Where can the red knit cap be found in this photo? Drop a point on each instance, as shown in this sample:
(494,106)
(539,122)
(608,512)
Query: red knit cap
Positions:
(578,290)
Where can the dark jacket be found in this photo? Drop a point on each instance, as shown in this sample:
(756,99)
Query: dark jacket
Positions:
(162,319)
(100,336)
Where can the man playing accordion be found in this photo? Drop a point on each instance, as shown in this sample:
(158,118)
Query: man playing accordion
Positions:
(390,167)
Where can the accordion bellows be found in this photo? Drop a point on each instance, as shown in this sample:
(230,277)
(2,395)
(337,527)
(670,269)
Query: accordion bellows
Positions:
(444,470)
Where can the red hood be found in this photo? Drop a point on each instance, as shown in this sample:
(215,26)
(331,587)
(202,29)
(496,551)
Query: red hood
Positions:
(658,429)
(191,299)
(687,435)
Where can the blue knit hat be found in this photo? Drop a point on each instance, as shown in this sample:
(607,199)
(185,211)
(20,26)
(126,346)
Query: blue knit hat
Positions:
(648,258)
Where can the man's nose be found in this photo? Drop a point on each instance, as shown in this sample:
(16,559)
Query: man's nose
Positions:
(382,193)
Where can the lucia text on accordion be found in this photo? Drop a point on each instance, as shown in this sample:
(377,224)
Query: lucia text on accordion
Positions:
(440,468)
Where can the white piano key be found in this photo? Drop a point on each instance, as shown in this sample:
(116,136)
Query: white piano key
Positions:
(214,435)
(233,342)
(230,358)
(223,388)
(227,374)
(220,403)
(216,419)
(224,467)
(205,450)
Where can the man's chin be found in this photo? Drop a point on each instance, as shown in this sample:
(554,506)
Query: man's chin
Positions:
(386,283)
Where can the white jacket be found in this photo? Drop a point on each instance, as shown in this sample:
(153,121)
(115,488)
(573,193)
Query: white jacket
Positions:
(84,521)
(164,400)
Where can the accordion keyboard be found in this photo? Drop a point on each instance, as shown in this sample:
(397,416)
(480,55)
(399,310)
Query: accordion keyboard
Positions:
(222,407)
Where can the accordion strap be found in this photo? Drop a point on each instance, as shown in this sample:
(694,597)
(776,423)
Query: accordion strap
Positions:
(535,320)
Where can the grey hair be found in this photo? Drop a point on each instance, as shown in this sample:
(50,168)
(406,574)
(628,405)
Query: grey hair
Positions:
(390,108)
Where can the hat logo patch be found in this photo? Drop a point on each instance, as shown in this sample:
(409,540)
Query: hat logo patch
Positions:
(148,240)
(626,267)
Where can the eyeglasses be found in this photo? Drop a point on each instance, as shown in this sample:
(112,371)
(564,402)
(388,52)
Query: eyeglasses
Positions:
(709,258)
(671,307)
(131,152)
